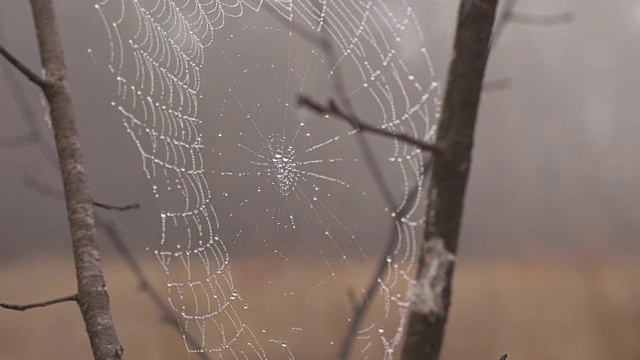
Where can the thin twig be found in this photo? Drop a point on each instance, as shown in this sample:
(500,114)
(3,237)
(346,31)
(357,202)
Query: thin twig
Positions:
(508,15)
(168,315)
(29,116)
(340,90)
(52,192)
(360,308)
(73,297)
(107,227)
(116,207)
(42,83)
(496,85)
(541,20)
(16,141)
(333,109)
(113,234)
(501,20)
(382,265)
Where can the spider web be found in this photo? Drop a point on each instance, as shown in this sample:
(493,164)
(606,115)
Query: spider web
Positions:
(286,181)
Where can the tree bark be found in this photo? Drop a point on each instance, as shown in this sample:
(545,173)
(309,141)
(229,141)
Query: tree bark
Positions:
(431,297)
(93,299)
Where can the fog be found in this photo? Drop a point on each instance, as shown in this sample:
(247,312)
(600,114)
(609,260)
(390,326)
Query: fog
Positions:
(554,163)
(287,198)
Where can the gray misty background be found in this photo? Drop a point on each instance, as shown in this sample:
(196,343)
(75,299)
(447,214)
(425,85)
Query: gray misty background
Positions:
(555,172)
(555,163)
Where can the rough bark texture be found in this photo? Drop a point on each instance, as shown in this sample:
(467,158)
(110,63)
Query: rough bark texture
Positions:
(92,292)
(425,329)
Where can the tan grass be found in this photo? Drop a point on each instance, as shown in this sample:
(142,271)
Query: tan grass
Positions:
(581,310)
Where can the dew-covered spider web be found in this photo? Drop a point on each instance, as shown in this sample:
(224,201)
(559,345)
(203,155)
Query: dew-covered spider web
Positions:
(271,222)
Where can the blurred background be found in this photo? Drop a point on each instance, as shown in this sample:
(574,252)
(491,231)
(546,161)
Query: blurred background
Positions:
(547,265)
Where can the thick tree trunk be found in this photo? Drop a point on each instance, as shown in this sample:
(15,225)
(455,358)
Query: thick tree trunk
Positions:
(92,292)
(431,297)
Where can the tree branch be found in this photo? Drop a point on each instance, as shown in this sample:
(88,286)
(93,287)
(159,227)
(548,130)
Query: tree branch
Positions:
(112,233)
(35,137)
(541,20)
(73,297)
(93,298)
(168,315)
(17,141)
(52,192)
(496,85)
(116,207)
(42,83)
(447,186)
(333,109)
(360,309)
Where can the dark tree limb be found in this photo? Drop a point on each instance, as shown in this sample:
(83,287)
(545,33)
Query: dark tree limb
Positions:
(93,298)
(73,298)
(42,83)
(449,174)
(333,109)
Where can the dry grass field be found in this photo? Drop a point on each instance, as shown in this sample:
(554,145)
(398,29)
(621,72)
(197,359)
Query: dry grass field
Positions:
(534,310)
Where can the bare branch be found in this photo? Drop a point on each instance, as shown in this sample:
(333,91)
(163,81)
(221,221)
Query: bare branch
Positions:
(541,20)
(448,179)
(496,85)
(42,83)
(73,297)
(52,192)
(168,315)
(35,138)
(112,233)
(333,109)
(360,308)
(17,141)
(501,20)
(116,207)
(382,265)
(93,299)
(507,15)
